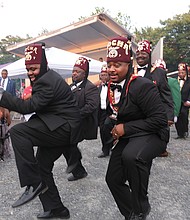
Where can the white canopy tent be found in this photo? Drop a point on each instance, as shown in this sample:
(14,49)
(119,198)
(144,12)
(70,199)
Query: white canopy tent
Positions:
(59,60)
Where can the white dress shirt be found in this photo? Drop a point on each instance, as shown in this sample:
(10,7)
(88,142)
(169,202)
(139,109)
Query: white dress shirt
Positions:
(103,96)
(142,71)
(117,95)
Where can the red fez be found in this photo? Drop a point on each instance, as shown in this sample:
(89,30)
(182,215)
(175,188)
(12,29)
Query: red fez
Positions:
(104,69)
(160,63)
(118,50)
(82,63)
(182,66)
(144,46)
(33,54)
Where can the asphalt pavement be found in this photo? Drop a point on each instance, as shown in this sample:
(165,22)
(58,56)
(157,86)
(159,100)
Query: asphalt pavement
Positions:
(90,199)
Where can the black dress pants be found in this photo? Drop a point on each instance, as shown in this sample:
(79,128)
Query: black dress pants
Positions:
(182,121)
(106,145)
(34,169)
(129,169)
(73,158)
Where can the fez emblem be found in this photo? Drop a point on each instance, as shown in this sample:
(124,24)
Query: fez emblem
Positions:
(104,68)
(181,66)
(30,53)
(80,61)
(143,46)
(113,52)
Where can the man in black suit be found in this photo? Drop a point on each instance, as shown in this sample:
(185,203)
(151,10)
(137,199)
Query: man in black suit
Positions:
(102,113)
(159,78)
(182,120)
(139,131)
(54,126)
(87,97)
(7,84)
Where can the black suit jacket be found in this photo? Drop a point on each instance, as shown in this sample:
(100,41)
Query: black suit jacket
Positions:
(53,102)
(141,110)
(87,97)
(159,77)
(185,91)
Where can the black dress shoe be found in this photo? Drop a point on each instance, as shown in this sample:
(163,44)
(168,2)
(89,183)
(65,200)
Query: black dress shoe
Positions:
(72,167)
(140,216)
(77,177)
(64,214)
(30,193)
(74,158)
(103,155)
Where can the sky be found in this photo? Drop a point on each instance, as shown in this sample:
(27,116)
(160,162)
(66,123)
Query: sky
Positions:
(22,17)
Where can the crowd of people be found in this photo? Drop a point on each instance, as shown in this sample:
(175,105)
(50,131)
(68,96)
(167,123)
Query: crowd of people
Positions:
(133,103)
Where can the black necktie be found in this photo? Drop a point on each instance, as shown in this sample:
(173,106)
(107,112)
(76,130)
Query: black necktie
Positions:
(182,79)
(141,68)
(3,83)
(105,84)
(115,86)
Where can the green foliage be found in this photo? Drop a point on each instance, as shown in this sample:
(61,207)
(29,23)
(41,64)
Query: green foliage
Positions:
(6,57)
(176,33)
(124,21)
(44,31)
(99,11)
(177,38)
(121,19)
(149,33)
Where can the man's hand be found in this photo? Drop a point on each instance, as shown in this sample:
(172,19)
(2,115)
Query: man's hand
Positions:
(118,131)
(170,123)
(187,103)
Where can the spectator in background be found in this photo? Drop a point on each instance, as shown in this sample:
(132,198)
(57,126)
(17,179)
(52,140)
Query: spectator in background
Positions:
(7,83)
(5,145)
(101,59)
(22,89)
(182,120)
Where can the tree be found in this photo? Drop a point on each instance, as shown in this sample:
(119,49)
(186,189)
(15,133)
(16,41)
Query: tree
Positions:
(149,33)
(96,12)
(177,38)
(176,33)
(124,20)
(6,57)
(44,31)
(121,19)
